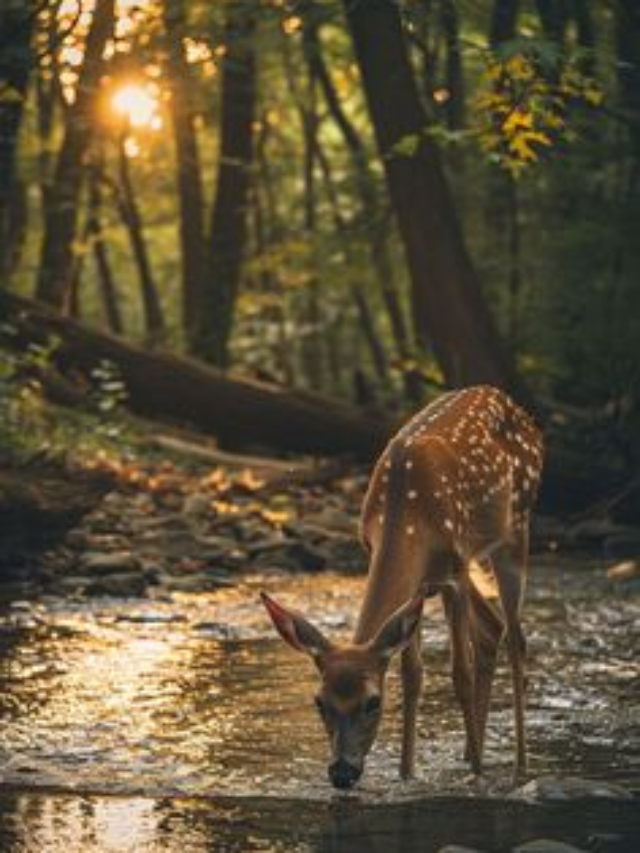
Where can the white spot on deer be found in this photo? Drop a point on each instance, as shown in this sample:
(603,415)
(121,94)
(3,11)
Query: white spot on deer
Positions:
(412,494)
(448,524)
(409,464)
(410,530)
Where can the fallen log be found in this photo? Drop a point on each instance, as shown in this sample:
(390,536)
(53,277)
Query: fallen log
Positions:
(241,413)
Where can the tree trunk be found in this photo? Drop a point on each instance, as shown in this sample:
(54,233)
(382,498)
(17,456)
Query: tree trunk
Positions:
(449,310)
(554,16)
(189,176)
(108,290)
(502,195)
(16,28)
(229,219)
(504,19)
(152,307)
(455,104)
(241,413)
(628,66)
(345,230)
(61,209)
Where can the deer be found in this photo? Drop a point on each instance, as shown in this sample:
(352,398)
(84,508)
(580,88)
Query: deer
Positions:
(448,503)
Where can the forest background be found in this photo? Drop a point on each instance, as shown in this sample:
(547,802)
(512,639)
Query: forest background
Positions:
(368,200)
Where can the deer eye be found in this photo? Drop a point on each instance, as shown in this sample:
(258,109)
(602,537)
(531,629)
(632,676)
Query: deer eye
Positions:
(372,706)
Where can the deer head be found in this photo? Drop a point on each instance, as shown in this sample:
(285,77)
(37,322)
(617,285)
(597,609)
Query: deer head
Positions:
(351,694)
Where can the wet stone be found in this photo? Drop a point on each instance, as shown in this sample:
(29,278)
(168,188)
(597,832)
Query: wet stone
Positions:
(547,845)
(293,555)
(216,630)
(624,572)
(76,539)
(197,506)
(129,585)
(108,564)
(71,584)
(192,582)
(151,618)
(459,848)
(557,789)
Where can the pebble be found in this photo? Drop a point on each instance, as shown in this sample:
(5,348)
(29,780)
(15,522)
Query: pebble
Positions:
(126,585)
(547,845)
(459,848)
(557,789)
(107,564)
(151,618)
(627,571)
(197,506)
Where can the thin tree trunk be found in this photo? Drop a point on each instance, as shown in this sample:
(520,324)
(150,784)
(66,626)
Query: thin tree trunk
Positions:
(229,219)
(503,191)
(189,176)
(270,235)
(314,358)
(16,28)
(152,308)
(554,15)
(504,20)
(586,36)
(108,290)
(449,310)
(346,232)
(372,223)
(628,67)
(61,209)
(455,104)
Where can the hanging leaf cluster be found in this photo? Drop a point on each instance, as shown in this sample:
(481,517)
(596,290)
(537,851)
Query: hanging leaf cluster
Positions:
(527,101)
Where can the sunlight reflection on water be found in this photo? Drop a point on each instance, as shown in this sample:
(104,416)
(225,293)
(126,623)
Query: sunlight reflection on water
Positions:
(150,699)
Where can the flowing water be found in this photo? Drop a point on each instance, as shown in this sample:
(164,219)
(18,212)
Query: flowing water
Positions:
(184,724)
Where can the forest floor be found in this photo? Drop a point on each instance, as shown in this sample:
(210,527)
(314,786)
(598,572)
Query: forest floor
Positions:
(159,523)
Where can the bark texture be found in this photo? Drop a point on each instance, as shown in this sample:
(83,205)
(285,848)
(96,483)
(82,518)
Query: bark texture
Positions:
(448,305)
(62,199)
(229,217)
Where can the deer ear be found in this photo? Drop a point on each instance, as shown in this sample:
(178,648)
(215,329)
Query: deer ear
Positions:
(399,629)
(294,628)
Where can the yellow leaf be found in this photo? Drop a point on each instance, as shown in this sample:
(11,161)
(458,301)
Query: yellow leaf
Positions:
(516,121)
(522,149)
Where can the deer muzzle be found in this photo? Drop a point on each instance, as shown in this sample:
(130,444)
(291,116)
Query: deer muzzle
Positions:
(343,775)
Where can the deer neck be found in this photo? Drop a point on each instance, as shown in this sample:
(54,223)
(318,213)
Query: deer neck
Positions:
(394,576)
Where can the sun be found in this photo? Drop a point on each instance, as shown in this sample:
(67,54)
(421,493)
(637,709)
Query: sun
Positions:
(138,106)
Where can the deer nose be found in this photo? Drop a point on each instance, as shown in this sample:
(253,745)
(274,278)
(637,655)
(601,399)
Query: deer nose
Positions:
(343,775)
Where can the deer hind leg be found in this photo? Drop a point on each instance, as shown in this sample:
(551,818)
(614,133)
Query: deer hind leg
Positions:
(510,563)
(411,666)
(457,610)
(487,631)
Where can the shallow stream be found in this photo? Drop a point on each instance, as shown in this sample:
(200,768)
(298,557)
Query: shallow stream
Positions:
(184,724)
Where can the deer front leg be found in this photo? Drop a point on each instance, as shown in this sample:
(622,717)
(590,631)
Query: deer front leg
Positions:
(411,666)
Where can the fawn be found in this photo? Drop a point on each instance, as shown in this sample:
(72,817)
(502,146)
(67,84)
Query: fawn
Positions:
(454,488)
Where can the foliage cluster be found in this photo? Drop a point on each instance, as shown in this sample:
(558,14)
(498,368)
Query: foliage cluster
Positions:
(31,425)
